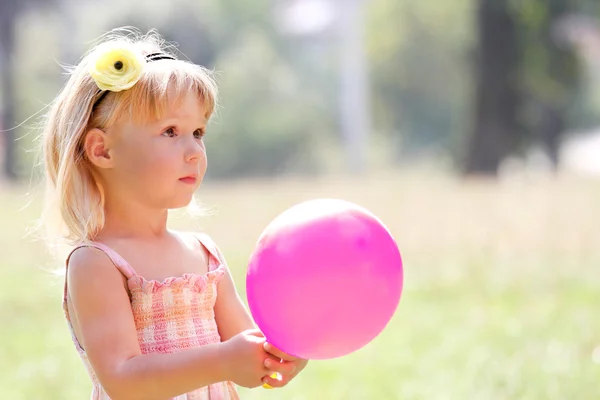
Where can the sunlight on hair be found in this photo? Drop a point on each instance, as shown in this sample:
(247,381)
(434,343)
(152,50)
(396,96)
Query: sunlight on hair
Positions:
(195,210)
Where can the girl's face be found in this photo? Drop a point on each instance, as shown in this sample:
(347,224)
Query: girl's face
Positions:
(162,163)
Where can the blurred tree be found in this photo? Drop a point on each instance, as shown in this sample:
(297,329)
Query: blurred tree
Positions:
(551,72)
(526,81)
(418,54)
(10,10)
(497,98)
(8,14)
(269,118)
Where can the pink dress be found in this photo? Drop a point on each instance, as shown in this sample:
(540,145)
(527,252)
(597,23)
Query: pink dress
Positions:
(170,316)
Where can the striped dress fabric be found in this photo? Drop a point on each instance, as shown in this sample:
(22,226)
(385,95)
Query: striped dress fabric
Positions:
(170,316)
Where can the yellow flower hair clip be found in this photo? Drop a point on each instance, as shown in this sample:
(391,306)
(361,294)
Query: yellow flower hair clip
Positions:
(116,67)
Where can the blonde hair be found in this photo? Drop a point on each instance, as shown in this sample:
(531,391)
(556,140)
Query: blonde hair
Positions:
(74,207)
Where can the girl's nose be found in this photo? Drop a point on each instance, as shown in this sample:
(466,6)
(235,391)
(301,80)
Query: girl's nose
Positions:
(194,150)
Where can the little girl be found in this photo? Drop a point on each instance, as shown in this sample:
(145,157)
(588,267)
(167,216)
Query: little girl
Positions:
(153,313)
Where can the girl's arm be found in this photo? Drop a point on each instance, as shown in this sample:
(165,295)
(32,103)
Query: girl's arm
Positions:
(230,312)
(233,317)
(107,332)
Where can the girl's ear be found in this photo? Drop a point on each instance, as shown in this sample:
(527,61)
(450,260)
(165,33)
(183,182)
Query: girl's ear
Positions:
(96,148)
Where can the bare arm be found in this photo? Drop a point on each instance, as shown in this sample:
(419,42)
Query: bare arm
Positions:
(108,335)
(233,317)
(230,312)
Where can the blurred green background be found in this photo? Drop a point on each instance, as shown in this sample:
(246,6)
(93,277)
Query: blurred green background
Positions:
(469,127)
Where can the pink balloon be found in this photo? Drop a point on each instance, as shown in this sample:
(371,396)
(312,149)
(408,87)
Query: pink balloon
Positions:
(324,279)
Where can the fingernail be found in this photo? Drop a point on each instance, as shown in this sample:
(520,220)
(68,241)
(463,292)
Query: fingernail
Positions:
(267,386)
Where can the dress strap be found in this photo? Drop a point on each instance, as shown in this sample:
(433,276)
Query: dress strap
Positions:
(213,249)
(119,262)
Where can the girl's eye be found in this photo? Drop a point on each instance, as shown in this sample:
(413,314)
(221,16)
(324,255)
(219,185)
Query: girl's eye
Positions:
(169,132)
(199,133)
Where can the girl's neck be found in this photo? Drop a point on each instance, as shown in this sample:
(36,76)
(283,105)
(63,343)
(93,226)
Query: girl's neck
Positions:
(134,221)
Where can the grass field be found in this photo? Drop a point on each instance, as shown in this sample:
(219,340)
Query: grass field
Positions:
(501,296)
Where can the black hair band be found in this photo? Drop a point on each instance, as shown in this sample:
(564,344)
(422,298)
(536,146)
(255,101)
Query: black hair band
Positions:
(159,56)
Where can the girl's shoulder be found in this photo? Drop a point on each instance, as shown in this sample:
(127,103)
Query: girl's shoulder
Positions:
(93,258)
(205,240)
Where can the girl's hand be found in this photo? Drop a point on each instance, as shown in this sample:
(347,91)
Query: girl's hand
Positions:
(284,364)
(245,358)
